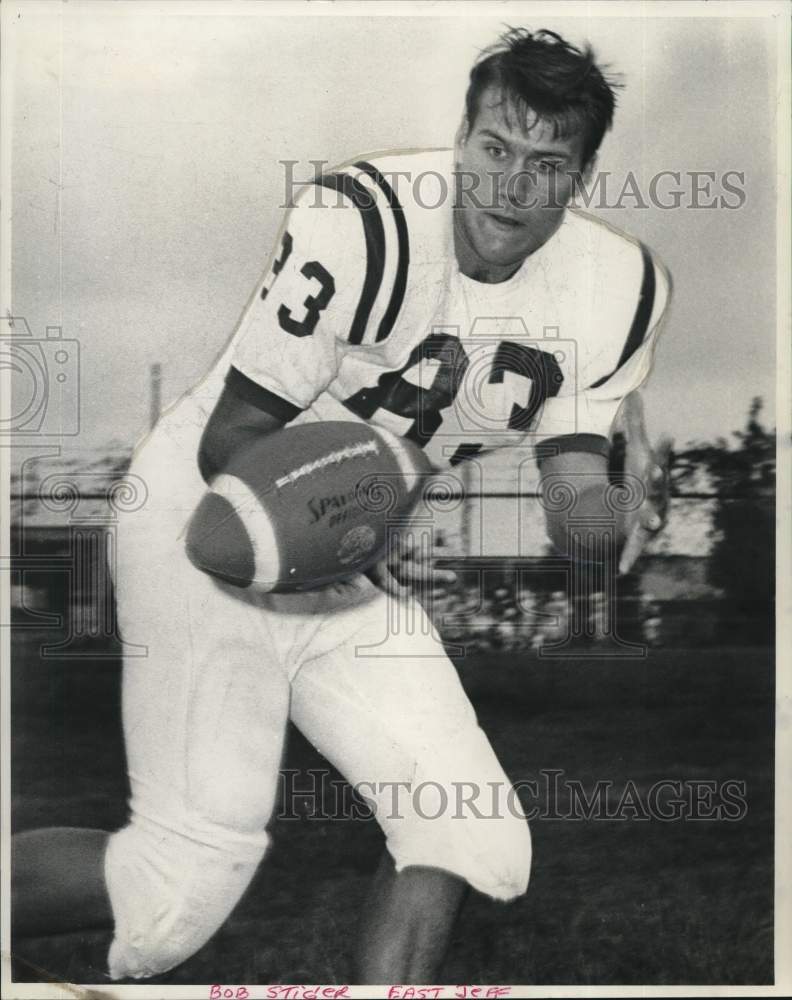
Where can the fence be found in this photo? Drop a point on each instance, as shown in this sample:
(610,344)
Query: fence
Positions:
(64,550)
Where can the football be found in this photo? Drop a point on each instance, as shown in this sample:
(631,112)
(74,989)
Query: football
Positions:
(305,506)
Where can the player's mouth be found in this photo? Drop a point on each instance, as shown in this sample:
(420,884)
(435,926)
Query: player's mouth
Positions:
(504,223)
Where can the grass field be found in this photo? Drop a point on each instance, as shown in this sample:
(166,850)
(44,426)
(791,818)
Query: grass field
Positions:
(611,900)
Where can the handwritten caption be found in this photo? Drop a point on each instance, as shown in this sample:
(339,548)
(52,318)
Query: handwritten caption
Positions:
(395,992)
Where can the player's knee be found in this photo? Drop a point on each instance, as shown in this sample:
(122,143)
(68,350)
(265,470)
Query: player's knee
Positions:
(496,846)
(509,858)
(487,843)
(171,890)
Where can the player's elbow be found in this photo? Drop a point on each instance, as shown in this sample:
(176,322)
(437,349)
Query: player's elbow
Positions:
(233,424)
(218,443)
(209,456)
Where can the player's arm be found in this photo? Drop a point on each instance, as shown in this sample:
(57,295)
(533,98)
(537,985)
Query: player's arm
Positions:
(650,467)
(609,524)
(233,424)
(291,338)
(574,461)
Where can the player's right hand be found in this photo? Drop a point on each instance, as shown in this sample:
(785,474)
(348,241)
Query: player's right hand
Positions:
(650,465)
(409,567)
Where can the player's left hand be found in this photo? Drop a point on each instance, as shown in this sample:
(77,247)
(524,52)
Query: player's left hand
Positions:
(651,466)
(410,567)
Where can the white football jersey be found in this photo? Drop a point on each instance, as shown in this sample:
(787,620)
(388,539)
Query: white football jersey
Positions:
(364,314)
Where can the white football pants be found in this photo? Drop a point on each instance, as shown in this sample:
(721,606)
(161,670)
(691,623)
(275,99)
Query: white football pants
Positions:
(205,713)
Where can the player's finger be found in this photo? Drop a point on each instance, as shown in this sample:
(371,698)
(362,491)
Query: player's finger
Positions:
(422,566)
(381,575)
(633,548)
(634,422)
(426,572)
(405,544)
(659,478)
(442,574)
(650,518)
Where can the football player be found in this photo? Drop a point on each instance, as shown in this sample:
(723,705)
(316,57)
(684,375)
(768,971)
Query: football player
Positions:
(453,297)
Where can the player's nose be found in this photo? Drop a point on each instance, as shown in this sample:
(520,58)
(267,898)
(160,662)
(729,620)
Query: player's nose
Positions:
(520,188)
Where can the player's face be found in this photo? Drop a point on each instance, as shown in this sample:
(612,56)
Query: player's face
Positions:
(514,180)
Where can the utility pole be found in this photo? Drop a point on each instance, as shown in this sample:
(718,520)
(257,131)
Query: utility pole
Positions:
(155,394)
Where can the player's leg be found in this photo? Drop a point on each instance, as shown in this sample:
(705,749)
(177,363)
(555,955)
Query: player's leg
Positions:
(204,728)
(57,880)
(389,711)
(204,715)
(406,925)
(204,721)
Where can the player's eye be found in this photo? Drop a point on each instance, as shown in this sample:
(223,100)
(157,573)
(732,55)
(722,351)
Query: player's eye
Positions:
(496,152)
(548,166)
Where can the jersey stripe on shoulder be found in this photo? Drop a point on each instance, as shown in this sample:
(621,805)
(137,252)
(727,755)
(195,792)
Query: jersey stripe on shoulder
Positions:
(643,313)
(374,233)
(403,245)
(464,453)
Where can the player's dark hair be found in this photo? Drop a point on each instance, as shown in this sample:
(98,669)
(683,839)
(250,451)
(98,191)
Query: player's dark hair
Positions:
(540,75)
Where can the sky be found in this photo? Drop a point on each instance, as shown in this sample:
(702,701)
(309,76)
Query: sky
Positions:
(146,177)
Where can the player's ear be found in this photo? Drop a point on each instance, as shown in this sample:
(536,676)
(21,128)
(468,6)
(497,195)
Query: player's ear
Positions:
(583,178)
(588,171)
